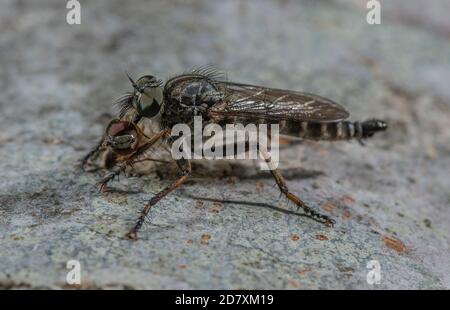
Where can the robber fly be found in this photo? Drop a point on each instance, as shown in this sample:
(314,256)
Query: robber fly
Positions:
(205,92)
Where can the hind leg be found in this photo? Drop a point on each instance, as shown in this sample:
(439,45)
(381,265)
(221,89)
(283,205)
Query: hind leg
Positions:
(292,197)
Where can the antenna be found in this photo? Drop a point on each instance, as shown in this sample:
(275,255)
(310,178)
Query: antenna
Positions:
(133,83)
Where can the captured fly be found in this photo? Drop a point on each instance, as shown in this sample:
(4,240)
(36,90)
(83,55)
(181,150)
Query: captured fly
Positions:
(205,92)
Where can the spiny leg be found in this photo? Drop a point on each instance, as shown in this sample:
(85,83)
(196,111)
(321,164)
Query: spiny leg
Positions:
(94,150)
(103,184)
(292,197)
(185,167)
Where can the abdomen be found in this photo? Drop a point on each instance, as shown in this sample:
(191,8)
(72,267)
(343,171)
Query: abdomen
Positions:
(342,130)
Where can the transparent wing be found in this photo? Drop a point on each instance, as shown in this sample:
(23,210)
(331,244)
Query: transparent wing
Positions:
(242,100)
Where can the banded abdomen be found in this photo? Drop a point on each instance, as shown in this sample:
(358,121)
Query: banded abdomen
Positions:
(332,131)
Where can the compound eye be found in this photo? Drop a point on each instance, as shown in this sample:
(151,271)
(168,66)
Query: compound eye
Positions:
(150,101)
(148,95)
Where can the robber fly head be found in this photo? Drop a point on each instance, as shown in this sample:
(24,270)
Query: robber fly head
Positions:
(122,137)
(147,96)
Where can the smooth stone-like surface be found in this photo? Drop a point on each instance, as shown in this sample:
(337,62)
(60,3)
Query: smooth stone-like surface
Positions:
(390,199)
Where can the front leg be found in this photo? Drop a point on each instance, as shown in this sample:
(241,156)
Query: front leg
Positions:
(185,167)
(94,150)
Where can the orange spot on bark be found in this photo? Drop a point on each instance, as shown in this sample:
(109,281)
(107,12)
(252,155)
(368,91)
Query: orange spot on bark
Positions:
(328,206)
(347,200)
(304,271)
(205,238)
(321,237)
(295,238)
(394,244)
(346,214)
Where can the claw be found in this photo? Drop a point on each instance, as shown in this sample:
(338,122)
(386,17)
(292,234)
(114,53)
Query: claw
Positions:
(104,182)
(132,235)
(319,217)
(330,223)
(103,187)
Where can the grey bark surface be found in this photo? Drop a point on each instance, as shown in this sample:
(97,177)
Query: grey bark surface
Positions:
(390,198)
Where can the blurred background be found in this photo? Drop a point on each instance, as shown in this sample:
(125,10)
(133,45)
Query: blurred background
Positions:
(390,199)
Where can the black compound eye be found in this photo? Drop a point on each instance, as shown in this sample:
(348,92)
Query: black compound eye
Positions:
(149,102)
(148,97)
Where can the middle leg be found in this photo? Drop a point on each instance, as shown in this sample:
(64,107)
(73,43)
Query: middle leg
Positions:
(185,167)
